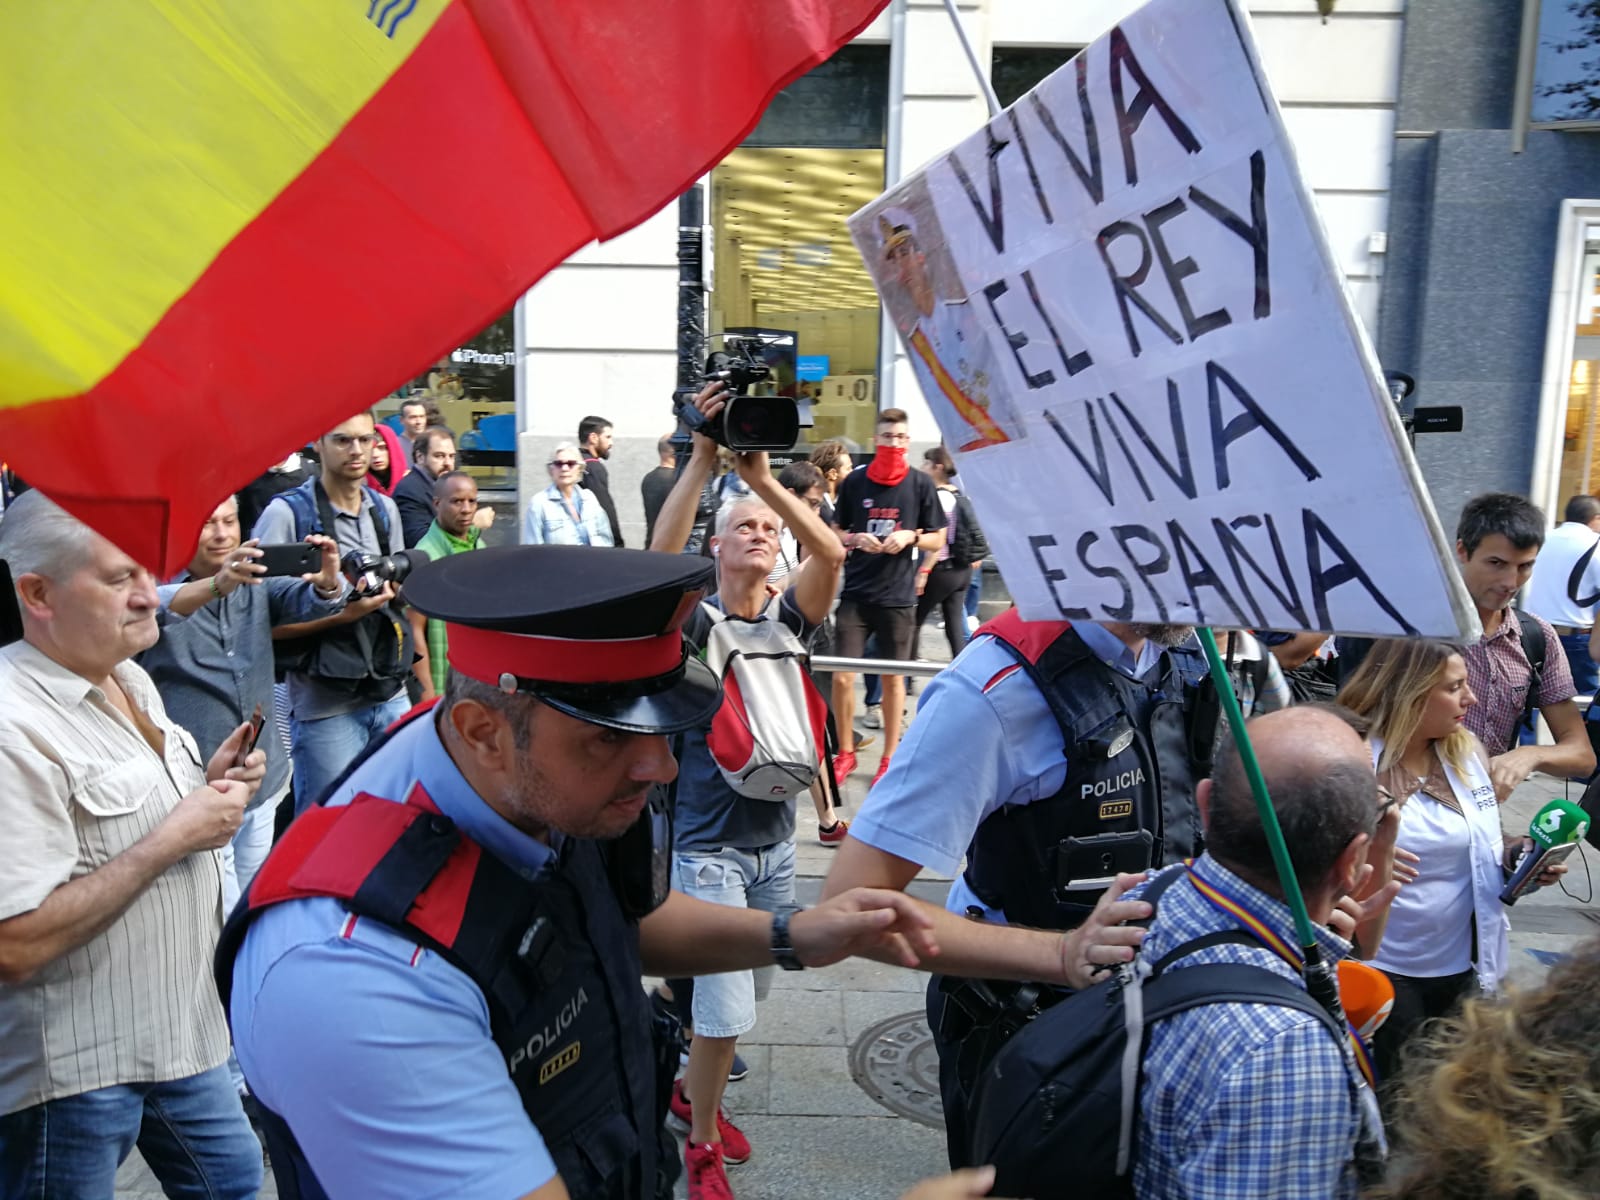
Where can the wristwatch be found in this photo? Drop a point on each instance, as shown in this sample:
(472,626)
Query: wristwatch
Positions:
(782,944)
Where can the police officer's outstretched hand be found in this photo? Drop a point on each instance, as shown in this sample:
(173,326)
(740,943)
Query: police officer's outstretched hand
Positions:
(1104,940)
(958,1185)
(885,925)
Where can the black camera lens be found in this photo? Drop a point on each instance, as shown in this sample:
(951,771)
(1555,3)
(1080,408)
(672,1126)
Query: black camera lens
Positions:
(761,423)
(402,562)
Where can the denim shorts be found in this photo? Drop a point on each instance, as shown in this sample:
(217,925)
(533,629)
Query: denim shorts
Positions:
(725,1004)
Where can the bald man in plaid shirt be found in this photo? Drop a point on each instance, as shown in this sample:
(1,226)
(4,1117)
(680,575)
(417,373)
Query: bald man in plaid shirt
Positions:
(1258,1099)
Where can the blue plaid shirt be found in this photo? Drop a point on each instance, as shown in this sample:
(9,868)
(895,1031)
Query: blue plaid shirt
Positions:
(1244,1100)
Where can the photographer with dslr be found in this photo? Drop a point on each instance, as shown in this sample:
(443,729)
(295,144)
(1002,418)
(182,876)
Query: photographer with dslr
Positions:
(346,673)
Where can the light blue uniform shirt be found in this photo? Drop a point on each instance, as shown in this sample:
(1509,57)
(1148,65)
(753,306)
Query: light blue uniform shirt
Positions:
(984,738)
(377,1052)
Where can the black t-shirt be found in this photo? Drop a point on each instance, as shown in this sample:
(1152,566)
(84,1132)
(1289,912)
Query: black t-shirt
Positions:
(258,493)
(653,490)
(862,506)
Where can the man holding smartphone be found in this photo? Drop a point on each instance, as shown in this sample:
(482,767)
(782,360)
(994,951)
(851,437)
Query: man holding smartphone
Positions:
(1058,758)
(213,662)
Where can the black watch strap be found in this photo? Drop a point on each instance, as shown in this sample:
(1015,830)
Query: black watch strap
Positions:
(782,944)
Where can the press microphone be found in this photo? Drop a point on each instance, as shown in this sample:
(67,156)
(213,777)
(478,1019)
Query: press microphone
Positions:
(1556,829)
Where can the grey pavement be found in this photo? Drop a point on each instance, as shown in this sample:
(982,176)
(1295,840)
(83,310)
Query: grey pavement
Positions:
(818,1132)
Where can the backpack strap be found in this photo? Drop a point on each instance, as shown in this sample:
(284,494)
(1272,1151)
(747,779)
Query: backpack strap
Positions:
(1575,579)
(303,507)
(380,518)
(1162,995)
(1534,648)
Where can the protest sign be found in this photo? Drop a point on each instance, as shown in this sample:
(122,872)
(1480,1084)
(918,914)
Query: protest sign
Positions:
(1122,309)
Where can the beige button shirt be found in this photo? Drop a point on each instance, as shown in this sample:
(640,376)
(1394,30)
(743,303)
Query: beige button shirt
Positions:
(78,786)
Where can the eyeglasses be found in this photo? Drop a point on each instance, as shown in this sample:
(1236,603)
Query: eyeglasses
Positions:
(343,441)
(564,462)
(894,437)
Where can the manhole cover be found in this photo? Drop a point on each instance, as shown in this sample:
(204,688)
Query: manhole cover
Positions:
(895,1064)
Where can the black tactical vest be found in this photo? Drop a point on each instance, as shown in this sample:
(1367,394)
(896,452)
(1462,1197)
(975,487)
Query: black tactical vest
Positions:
(557,962)
(1135,750)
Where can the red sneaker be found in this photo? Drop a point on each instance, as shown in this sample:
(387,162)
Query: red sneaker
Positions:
(734,1148)
(843,763)
(882,767)
(832,837)
(707,1179)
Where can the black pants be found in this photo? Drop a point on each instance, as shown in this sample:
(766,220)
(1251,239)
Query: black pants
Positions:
(946,591)
(1416,1002)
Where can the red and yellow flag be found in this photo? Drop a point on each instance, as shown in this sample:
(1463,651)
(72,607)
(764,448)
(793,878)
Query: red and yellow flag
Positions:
(229,224)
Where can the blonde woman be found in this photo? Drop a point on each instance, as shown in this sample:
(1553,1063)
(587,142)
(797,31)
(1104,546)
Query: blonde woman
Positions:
(1503,1102)
(1446,932)
(565,514)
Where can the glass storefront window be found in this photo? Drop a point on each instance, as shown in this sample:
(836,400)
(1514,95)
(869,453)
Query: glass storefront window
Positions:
(785,263)
(474,389)
(1580,448)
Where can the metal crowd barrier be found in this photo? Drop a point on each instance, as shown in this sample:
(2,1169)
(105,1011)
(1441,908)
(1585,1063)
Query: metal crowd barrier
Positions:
(878,666)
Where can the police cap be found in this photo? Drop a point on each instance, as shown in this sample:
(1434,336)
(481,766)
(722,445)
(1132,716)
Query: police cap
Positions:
(594,633)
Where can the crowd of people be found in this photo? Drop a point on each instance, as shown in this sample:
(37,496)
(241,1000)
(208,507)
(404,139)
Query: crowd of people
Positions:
(458,805)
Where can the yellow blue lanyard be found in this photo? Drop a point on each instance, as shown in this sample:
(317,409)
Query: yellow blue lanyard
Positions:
(1269,937)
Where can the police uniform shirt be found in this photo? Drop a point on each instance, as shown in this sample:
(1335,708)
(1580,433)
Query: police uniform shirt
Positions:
(377,1052)
(931,801)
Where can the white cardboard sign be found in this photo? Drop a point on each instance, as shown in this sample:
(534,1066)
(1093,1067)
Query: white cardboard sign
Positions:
(1125,317)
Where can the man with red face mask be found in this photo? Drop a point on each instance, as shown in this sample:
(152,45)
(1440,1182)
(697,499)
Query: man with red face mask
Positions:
(887,514)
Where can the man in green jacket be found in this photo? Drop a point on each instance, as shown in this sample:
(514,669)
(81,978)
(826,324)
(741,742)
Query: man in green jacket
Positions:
(455,507)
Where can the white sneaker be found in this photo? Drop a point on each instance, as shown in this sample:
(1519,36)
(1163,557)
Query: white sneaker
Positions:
(972,625)
(874,717)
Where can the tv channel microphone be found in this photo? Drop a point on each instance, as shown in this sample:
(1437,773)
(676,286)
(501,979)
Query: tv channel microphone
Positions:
(1556,830)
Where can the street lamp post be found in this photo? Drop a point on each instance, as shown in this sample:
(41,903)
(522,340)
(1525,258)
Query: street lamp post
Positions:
(691,310)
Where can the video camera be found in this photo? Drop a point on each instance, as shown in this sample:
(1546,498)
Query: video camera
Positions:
(1446,418)
(368,572)
(746,422)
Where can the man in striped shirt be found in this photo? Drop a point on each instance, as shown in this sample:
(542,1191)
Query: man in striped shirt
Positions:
(111,1033)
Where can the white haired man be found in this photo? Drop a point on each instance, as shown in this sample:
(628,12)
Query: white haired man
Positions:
(110,890)
(729,847)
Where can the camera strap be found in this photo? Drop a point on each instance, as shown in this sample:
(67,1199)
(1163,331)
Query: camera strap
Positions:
(380,523)
(380,519)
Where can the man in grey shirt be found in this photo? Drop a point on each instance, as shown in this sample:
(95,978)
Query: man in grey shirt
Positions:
(213,665)
(347,683)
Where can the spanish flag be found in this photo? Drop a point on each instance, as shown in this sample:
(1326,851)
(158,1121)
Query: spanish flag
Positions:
(229,224)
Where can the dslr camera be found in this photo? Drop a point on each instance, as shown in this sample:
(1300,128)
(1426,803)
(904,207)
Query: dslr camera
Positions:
(369,572)
(746,422)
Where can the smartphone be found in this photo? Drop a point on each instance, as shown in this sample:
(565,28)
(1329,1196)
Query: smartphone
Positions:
(256,722)
(1549,858)
(293,558)
(1093,863)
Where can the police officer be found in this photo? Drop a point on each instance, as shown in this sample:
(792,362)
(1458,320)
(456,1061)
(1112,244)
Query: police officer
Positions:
(1061,761)
(435,979)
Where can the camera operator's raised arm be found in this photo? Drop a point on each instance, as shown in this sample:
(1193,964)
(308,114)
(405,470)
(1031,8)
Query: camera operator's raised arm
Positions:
(675,522)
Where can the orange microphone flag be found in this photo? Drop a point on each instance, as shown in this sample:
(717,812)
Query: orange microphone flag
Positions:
(1367,995)
(229,225)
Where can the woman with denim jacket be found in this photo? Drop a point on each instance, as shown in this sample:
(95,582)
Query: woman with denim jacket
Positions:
(565,514)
